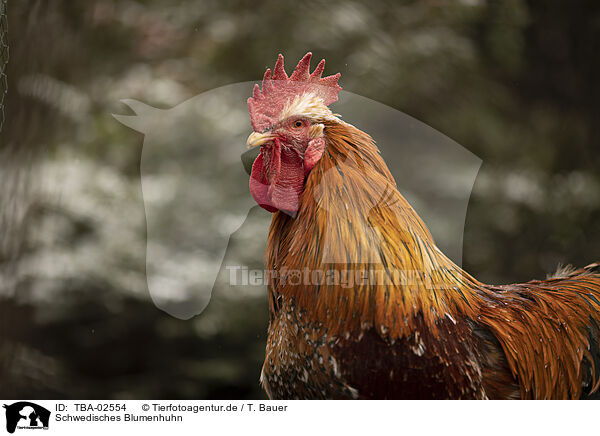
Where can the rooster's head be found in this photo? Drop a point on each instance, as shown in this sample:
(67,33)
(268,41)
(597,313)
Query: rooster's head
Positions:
(287,118)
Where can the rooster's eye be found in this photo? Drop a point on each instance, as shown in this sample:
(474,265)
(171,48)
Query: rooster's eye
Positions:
(298,123)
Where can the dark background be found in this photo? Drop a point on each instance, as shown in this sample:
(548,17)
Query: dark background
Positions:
(515,82)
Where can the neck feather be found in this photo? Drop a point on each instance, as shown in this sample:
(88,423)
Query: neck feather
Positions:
(357,254)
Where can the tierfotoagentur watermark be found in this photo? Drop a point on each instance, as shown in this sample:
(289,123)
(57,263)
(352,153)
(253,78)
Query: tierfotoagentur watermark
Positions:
(192,211)
(346,277)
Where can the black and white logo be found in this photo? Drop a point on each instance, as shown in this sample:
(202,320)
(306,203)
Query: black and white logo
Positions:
(26,415)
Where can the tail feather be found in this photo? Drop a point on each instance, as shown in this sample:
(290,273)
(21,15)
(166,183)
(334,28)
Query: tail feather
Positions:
(593,268)
(552,341)
(591,365)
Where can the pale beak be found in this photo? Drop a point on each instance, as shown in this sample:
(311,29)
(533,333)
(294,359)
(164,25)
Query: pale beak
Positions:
(255,139)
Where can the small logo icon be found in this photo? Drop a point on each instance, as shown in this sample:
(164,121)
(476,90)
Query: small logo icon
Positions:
(26,415)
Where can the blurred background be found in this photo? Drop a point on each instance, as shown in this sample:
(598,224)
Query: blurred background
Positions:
(515,82)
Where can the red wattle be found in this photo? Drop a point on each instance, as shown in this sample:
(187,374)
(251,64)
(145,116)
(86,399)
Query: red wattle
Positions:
(259,185)
(277,179)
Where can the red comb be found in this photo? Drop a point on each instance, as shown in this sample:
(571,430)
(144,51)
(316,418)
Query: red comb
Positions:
(265,106)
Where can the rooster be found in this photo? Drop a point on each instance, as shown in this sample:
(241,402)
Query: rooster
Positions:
(410,324)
